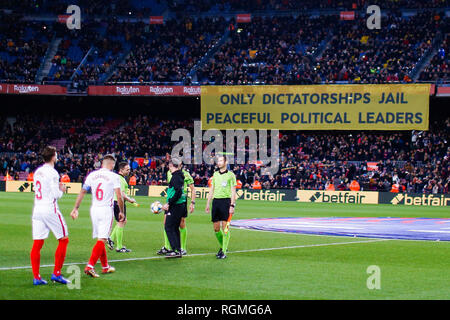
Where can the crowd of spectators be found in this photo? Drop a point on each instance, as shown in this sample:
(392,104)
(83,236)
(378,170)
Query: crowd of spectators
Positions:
(438,68)
(168,52)
(22,48)
(88,7)
(105,7)
(289,5)
(414,161)
(299,49)
(359,55)
(269,50)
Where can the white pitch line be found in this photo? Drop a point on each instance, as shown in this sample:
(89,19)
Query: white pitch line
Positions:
(205,254)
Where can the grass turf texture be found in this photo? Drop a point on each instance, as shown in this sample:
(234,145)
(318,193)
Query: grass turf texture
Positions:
(409,269)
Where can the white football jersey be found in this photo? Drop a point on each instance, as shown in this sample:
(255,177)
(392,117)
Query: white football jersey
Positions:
(46,186)
(102,183)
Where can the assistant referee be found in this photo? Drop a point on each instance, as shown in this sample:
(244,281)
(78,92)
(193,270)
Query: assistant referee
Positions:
(223,193)
(116,237)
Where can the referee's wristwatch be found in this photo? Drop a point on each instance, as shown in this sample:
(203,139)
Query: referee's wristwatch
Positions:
(193,202)
(232,205)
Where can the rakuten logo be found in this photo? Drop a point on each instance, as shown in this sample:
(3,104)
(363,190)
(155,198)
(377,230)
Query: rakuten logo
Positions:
(161,90)
(127,90)
(192,90)
(25,89)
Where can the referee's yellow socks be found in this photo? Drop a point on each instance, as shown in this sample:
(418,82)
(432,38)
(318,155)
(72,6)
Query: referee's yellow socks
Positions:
(219,236)
(226,240)
(113,234)
(166,241)
(119,236)
(183,235)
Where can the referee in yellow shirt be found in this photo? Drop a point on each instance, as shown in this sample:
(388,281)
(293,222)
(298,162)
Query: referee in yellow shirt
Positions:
(223,193)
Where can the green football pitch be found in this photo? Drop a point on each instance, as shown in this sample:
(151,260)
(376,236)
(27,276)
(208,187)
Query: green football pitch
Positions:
(260,265)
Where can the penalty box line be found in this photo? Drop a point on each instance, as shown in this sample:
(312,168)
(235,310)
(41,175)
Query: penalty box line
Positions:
(206,254)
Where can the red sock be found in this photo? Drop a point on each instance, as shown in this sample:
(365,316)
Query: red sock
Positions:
(60,255)
(96,253)
(104,258)
(36,257)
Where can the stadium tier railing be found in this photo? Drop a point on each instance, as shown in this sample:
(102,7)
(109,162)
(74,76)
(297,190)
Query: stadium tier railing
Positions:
(438,88)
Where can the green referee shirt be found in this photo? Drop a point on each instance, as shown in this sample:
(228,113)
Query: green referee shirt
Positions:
(187,179)
(123,186)
(222,182)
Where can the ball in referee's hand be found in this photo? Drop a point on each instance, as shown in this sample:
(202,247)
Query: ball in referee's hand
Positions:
(156,207)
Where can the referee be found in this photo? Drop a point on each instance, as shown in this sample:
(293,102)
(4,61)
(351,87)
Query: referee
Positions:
(223,190)
(175,208)
(117,233)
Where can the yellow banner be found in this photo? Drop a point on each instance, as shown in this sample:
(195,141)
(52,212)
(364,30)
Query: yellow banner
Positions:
(27,186)
(316,107)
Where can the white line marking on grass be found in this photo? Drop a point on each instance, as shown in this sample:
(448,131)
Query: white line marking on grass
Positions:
(206,254)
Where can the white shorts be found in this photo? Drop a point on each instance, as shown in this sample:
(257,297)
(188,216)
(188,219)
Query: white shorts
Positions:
(45,219)
(102,221)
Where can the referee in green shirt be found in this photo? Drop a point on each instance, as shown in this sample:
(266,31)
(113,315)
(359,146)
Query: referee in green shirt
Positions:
(223,193)
(117,233)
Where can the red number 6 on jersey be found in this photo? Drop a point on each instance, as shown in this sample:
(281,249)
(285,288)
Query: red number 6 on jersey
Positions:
(99,193)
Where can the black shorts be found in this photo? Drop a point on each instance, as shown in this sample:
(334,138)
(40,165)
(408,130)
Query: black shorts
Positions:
(220,209)
(117,210)
(185,210)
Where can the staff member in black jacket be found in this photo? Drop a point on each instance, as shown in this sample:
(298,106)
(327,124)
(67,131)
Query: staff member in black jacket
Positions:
(175,208)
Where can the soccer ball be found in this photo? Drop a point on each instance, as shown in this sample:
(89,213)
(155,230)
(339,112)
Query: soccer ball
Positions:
(156,207)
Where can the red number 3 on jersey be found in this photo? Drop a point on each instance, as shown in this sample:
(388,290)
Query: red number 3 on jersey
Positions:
(38,190)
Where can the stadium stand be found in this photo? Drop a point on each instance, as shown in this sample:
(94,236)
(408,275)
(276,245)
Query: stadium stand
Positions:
(193,49)
(289,5)
(202,43)
(22,47)
(419,161)
(438,70)
(167,53)
(267,51)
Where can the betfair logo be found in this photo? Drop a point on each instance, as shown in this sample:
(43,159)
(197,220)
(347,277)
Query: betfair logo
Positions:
(201,193)
(315,197)
(132,191)
(338,197)
(263,195)
(397,199)
(421,200)
(164,193)
(24,187)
